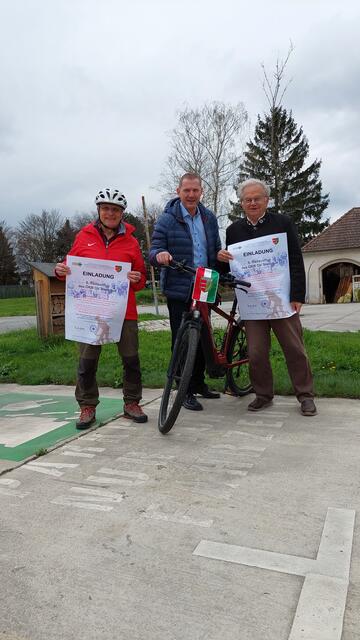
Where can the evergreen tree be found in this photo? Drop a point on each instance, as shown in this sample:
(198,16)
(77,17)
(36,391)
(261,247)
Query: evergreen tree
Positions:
(64,240)
(8,270)
(277,155)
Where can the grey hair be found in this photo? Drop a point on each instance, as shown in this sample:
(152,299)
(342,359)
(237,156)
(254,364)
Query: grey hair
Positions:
(251,182)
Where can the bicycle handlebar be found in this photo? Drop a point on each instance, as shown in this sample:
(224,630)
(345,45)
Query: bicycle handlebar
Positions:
(227,278)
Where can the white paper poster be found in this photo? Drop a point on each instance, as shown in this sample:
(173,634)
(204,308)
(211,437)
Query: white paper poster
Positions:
(96,299)
(264,262)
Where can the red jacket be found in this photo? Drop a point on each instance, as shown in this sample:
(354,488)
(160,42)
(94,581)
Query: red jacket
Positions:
(89,243)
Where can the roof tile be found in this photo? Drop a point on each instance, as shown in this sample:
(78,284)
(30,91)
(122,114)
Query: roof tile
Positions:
(344,233)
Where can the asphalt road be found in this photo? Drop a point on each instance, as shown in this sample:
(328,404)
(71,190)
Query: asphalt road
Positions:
(329,317)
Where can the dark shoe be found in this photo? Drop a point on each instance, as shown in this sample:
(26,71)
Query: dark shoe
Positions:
(205,392)
(258,404)
(133,411)
(191,403)
(308,407)
(87,417)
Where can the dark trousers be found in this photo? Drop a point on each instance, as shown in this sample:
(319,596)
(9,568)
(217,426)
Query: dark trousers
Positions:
(176,309)
(290,336)
(87,391)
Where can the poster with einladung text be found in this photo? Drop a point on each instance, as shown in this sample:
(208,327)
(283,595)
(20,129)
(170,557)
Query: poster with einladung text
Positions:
(96,297)
(264,262)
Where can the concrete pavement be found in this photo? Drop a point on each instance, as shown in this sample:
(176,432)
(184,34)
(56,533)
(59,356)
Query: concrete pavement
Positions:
(234,525)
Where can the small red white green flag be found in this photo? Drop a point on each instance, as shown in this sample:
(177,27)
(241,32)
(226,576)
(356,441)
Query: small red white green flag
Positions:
(205,285)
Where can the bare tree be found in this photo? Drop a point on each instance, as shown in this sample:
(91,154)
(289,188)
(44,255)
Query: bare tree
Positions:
(207,141)
(274,92)
(36,238)
(80,220)
(154,210)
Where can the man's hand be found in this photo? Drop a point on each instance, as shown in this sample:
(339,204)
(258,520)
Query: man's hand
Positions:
(163,258)
(134,276)
(296,306)
(62,269)
(224,256)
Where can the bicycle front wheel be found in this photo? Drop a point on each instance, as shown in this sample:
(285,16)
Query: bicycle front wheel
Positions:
(179,374)
(237,377)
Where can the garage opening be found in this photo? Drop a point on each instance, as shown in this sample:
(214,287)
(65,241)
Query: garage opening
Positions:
(337,281)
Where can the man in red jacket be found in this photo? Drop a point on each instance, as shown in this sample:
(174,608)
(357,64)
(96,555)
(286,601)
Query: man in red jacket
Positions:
(110,238)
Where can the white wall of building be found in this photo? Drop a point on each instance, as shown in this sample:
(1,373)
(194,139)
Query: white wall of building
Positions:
(314,264)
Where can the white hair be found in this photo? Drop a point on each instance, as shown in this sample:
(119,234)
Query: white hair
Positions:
(251,182)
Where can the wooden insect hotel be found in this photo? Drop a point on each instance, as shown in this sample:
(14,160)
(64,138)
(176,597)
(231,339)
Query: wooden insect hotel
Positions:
(50,299)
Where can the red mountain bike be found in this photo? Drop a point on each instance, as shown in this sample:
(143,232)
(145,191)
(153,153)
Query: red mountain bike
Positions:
(227,358)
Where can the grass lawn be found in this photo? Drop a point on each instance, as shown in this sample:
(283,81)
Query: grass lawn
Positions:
(27,307)
(25,359)
(17,307)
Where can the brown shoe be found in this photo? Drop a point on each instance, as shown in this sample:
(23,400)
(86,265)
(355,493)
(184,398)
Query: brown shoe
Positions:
(133,411)
(308,407)
(258,404)
(87,417)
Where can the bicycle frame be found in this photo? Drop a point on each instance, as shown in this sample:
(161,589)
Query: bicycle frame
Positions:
(215,358)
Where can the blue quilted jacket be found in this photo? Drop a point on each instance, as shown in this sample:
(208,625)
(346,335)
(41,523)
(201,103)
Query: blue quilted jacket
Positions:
(172,234)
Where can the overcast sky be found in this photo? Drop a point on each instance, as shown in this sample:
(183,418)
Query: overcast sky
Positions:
(90,89)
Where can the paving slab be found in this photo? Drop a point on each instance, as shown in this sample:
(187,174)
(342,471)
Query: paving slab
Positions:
(34,420)
(234,525)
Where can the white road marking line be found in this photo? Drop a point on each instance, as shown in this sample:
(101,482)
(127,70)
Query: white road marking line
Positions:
(126,474)
(320,611)
(18,415)
(255,423)
(127,478)
(321,607)
(255,558)
(103,493)
(104,438)
(136,456)
(120,427)
(13,492)
(70,501)
(78,454)
(49,472)
(101,480)
(10,482)
(74,447)
(256,436)
(178,516)
(52,413)
(55,465)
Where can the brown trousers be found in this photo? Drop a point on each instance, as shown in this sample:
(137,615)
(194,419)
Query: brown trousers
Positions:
(290,336)
(87,391)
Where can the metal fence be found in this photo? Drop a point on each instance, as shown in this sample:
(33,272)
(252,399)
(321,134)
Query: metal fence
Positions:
(16,291)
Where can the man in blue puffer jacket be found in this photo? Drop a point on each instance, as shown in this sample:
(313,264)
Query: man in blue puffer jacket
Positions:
(186,231)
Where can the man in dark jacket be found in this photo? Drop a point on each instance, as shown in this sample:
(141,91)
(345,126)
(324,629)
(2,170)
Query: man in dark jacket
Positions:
(186,231)
(257,222)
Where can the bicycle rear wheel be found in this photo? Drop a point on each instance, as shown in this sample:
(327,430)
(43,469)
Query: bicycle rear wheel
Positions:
(179,374)
(237,378)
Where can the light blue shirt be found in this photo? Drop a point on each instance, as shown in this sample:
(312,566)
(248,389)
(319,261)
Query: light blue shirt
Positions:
(197,232)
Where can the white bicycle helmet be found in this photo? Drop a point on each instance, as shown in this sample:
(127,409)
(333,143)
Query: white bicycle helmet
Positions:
(111,196)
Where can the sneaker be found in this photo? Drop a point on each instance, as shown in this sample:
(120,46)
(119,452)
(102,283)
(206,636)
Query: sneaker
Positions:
(133,411)
(259,403)
(204,391)
(87,417)
(308,407)
(192,403)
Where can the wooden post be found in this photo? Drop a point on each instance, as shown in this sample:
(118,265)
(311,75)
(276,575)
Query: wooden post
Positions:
(152,272)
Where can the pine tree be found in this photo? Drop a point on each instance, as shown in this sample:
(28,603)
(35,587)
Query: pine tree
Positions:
(64,240)
(277,155)
(8,270)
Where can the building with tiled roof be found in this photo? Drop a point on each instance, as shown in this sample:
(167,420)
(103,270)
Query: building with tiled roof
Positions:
(332,259)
